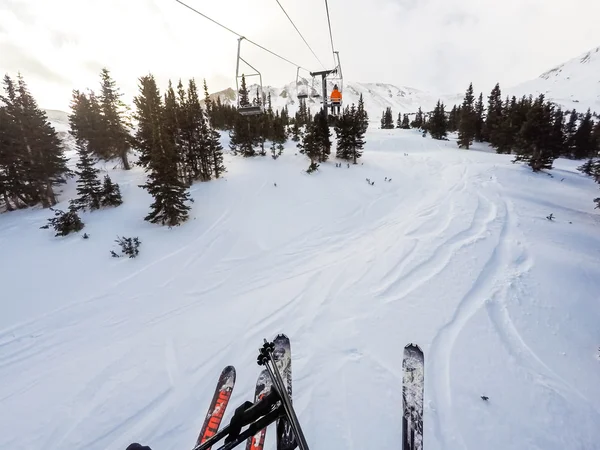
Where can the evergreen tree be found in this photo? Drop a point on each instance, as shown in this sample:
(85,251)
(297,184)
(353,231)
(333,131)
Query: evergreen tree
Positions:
(570,129)
(479,120)
(208,103)
(533,143)
(584,145)
(36,152)
(418,122)
(115,120)
(111,193)
(13,165)
(89,191)
(322,136)
(399,121)
(215,150)
(596,136)
(361,114)
(453,117)
(494,117)
(438,123)
(296,132)
(243,93)
(405,122)
(310,147)
(343,129)
(158,147)
(241,139)
(468,120)
(387,119)
(557,136)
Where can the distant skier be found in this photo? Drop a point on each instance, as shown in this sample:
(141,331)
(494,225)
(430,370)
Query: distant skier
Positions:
(336,100)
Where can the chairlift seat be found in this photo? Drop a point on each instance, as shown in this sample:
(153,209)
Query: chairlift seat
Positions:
(250,110)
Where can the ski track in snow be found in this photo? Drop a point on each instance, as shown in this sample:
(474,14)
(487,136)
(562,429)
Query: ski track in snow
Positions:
(351,272)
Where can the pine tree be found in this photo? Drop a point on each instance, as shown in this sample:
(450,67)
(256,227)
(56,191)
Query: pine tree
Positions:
(584,145)
(13,165)
(479,120)
(468,120)
(533,143)
(362,115)
(163,183)
(111,193)
(438,124)
(240,138)
(387,119)
(243,93)
(208,103)
(310,147)
(399,121)
(405,122)
(557,136)
(494,118)
(115,120)
(453,119)
(596,136)
(322,136)
(37,155)
(296,132)
(89,191)
(343,130)
(418,122)
(570,129)
(215,150)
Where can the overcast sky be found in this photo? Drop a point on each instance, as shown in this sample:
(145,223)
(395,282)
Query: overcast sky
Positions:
(434,45)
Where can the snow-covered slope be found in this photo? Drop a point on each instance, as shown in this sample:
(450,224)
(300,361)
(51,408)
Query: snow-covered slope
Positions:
(574,84)
(455,254)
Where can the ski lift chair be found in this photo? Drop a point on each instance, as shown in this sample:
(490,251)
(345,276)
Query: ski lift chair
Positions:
(248,110)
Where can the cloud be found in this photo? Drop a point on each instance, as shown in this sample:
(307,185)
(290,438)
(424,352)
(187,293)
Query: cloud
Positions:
(435,45)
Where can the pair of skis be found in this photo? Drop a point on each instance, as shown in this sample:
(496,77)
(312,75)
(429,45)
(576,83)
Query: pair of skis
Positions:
(272,403)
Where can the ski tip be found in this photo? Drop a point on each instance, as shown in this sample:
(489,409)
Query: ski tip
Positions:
(412,346)
(228,371)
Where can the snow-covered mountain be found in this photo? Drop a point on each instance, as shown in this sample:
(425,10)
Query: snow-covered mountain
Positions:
(574,84)
(377,96)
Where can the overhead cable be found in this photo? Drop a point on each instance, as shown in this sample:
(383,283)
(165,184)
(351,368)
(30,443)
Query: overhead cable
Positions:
(294,25)
(240,36)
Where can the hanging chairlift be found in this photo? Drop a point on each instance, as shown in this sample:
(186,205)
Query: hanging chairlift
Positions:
(306,90)
(258,104)
(333,76)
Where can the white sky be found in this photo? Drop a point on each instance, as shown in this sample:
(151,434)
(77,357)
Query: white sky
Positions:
(435,45)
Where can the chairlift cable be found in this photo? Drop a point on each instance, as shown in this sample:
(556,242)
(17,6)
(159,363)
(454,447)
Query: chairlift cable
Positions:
(330,33)
(296,28)
(239,35)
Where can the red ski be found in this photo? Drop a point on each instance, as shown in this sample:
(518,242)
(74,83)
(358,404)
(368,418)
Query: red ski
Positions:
(218,405)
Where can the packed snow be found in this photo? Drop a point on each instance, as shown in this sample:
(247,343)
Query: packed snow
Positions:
(454,253)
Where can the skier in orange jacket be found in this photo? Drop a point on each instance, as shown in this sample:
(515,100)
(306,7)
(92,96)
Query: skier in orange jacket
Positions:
(336,100)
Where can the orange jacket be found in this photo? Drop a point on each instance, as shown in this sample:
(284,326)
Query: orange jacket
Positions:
(336,96)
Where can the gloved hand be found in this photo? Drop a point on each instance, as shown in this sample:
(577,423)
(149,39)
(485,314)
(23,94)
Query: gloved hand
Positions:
(136,446)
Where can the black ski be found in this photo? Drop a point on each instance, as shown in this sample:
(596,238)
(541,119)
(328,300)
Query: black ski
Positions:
(412,397)
(218,405)
(282,354)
